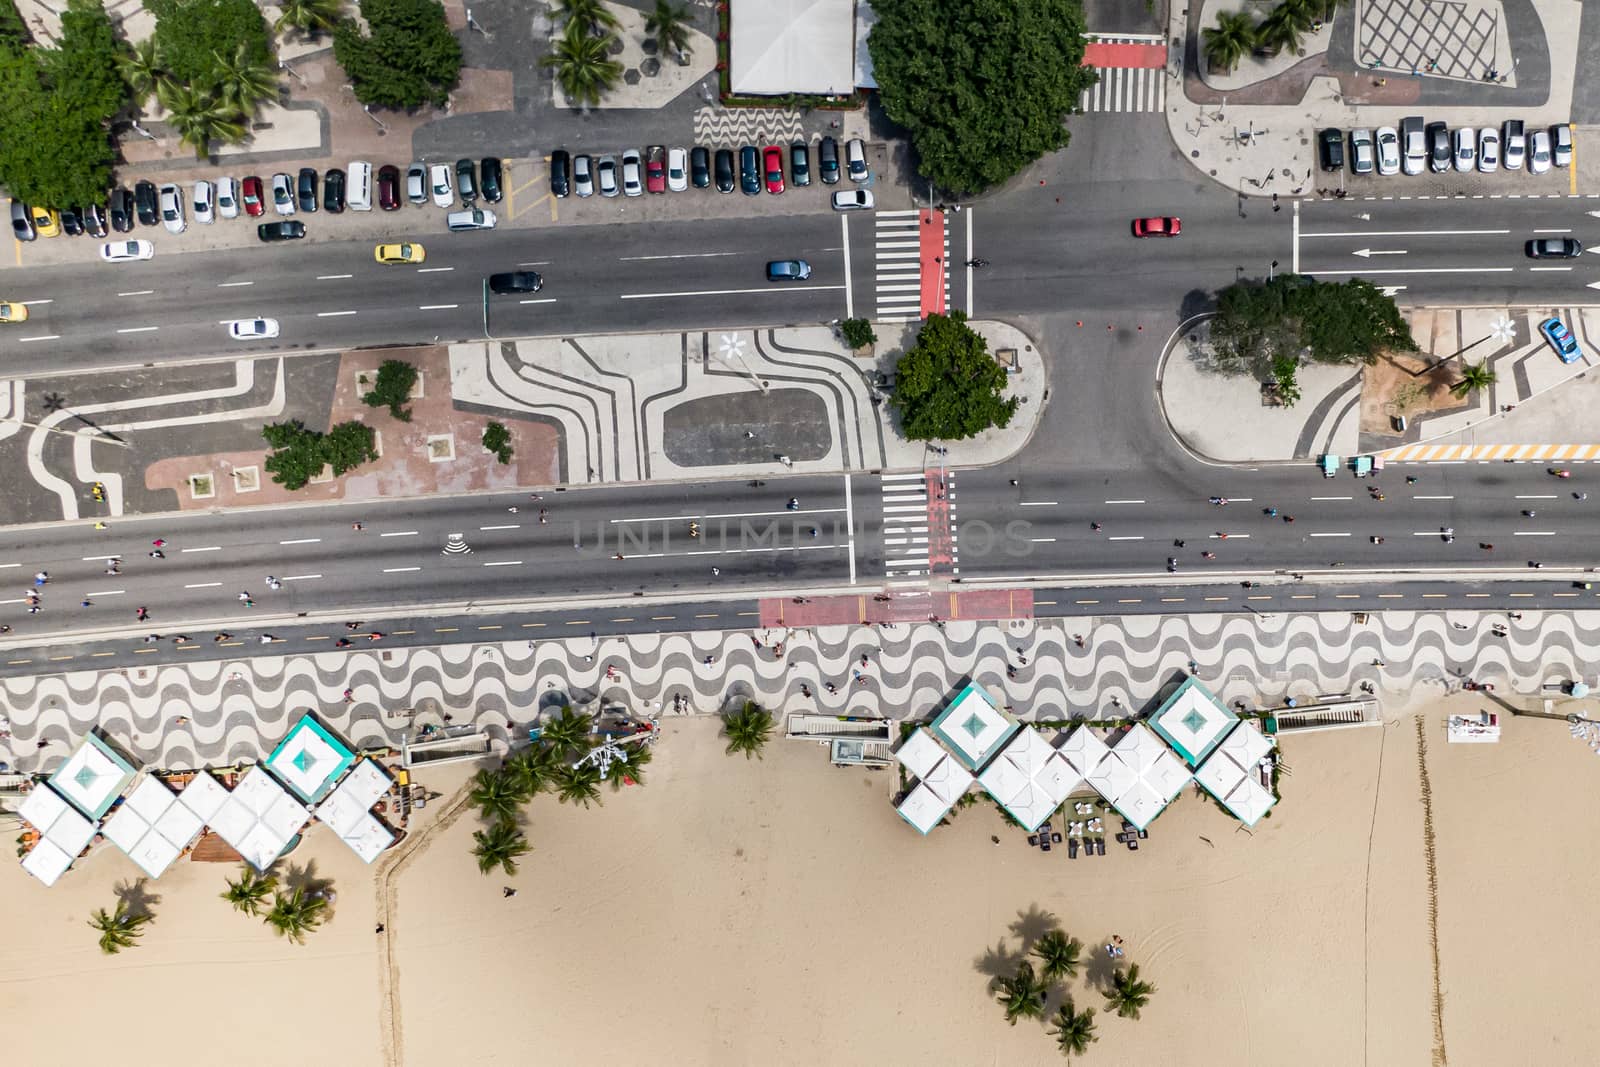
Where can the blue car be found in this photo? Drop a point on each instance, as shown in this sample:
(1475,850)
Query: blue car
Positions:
(1555,331)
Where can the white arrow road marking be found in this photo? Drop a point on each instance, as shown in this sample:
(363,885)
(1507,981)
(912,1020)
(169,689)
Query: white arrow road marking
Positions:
(1391,290)
(1591,285)
(1366,252)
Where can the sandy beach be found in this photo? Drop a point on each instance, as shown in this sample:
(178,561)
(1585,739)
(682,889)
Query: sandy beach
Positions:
(778,911)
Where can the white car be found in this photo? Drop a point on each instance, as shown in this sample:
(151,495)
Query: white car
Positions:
(677,170)
(282,194)
(852,200)
(1361,157)
(252,329)
(1562,144)
(1539,151)
(204,209)
(439,181)
(126,251)
(227,198)
(171,208)
(855,159)
(1388,150)
(631,185)
(1515,144)
(1488,150)
(1466,148)
(605,172)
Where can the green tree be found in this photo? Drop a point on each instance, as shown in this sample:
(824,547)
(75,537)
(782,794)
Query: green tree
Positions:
(857,333)
(1022,995)
(670,25)
(1285,375)
(497,439)
(392,388)
(639,757)
(532,770)
(140,67)
(948,386)
(296,914)
(1058,955)
(499,846)
(310,17)
(583,64)
(982,87)
(567,733)
(1229,41)
(118,930)
(578,785)
(348,445)
(300,454)
(1128,993)
(1074,1031)
(1473,376)
(591,16)
(497,796)
(1295,316)
(190,34)
(243,81)
(250,891)
(1282,28)
(409,57)
(200,116)
(83,68)
(51,153)
(747,730)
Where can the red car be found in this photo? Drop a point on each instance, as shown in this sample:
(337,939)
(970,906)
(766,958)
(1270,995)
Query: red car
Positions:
(250,193)
(655,169)
(772,158)
(1158,226)
(389,187)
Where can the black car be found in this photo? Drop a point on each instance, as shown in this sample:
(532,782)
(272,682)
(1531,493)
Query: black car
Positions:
(333,191)
(1330,146)
(1554,248)
(750,170)
(724,170)
(282,230)
(1439,155)
(560,173)
(389,187)
(144,199)
(516,281)
(94,220)
(466,181)
(828,160)
(490,179)
(800,163)
(22,221)
(121,210)
(699,166)
(307,189)
(72,221)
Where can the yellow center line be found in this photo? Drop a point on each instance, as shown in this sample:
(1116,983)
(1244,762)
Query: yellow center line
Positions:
(1564,594)
(531,625)
(1172,600)
(1302,596)
(1391,596)
(1258,598)
(662,618)
(323,638)
(1435,596)
(1130,600)
(402,633)
(622,620)
(1522,594)
(1477,596)
(707,615)
(579,622)
(1045,603)
(57,659)
(98,654)
(17,662)
(491,627)
(746,614)
(1211,598)
(446,629)
(1086,601)
(1347,596)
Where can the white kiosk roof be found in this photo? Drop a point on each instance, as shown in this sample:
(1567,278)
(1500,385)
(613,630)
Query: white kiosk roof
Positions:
(1154,776)
(792,46)
(1193,721)
(1230,774)
(57,821)
(948,780)
(923,808)
(47,862)
(1084,749)
(973,727)
(93,777)
(259,818)
(1030,778)
(919,753)
(203,795)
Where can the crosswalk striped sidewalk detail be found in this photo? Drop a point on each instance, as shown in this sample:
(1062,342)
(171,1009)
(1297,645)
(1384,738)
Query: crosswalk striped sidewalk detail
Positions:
(1126,89)
(905,530)
(1458,453)
(897,282)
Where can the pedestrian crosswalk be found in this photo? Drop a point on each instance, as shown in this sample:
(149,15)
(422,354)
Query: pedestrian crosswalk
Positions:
(898,265)
(905,530)
(1126,89)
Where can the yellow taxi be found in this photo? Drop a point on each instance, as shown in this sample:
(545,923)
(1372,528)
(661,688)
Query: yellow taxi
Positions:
(47,221)
(406,253)
(11,312)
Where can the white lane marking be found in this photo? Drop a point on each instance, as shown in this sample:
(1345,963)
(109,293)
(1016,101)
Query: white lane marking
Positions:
(1549,268)
(849,294)
(332,277)
(301,541)
(733,292)
(105,592)
(1036,503)
(512,526)
(36,303)
(727,515)
(202,585)
(1332,498)
(1535,496)
(1533,533)
(1043,540)
(1402,233)
(1124,501)
(400,533)
(1418,270)
(1552,231)
(1365,253)
(437,307)
(40,337)
(1433,498)
(333,314)
(1229,537)
(434,270)
(1126,538)
(505,563)
(543,262)
(681,255)
(1330,535)
(9,566)
(99,559)
(298,577)
(138,329)
(541,300)
(398,570)
(232,285)
(1295,246)
(207,548)
(138,292)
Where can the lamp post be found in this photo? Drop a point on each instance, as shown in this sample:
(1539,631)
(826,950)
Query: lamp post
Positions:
(1271,268)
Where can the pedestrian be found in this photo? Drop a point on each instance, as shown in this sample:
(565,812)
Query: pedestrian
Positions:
(41,578)
(159,542)
(1178,544)
(181,720)
(357,527)
(543,520)
(221,637)
(151,638)
(378,929)
(512,509)
(508,892)
(1094,526)
(1411,480)
(376,635)
(352,626)
(87,602)
(179,639)
(1077,639)
(267,639)
(343,642)
(1288,518)
(142,613)
(714,570)
(349,696)
(156,553)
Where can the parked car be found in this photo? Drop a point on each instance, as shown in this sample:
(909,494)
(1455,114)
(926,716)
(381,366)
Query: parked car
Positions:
(46,220)
(491,179)
(1362,158)
(172,217)
(1161,225)
(284,230)
(144,200)
(700,166)
(121,210)
(1539,152)
(560,173)
(443,189)
(389,187)
(677,170)
(655,168)
(631,180)
(12,312)
(205,209)
(583,176)
(333,191)
(1466,148)
(1513,144)
(724,170)
(855,160)
(788,270)
(1388,151)
(417,184)
(606,176)
(516,281)
(400,253)
(1554,248)
(828,161)
(94,220)
(772,168)
(250,197)
(1555,331)
(254,329)
(1561,144)
(852,200)
(72,220)
(227,198)
(282,194)
(1488,150)
(306,186)
(750,170)
(22,222)
(470,219)
(1330,147)
(800,164)
(1438,147)
(1413,144)
(467,181)
(126,251)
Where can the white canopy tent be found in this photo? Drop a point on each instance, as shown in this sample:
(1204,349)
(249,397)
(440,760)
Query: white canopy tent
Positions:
(260,818)
(347,811)
(1084,750)
(152,827)
(948,780)
(778,47)
(63,833)
(203,796)
(919,753)
(92,777)
(1193,721)
(1154,776)
(1231,774)
(923,808)
(1029,778)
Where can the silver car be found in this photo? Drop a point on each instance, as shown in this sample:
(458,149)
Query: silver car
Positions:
(417,184)
(1361,155)
(439,181)
(606,174)
(1466,148)
(282,194)
(1539,151)
(1561,144)
(583,175)
(632,183)
(227,198)
(1488,150)
(1388,151)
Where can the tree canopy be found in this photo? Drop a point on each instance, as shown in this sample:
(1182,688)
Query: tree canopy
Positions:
(948,386)
(299,454)
(410,58)
(1294,318)
(191,35)
(983,87)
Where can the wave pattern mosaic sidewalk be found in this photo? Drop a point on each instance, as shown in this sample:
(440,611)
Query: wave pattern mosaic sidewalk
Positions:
(239,709)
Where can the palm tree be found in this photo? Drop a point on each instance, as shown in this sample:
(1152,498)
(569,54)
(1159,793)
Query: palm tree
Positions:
(1128,993)
(499,846)
(1058,955)
(1074,1030)
(670,25)
(243,81)
(118,930)
(200,117)
(584,67)
(1023,996)
(747,729)
(568,732)
(296,915)
(1282,29)
(639,757)
(250,891)
(310,17)
(530,769)
(1229,41)
(496,796)
(589,16)
(580,785)
(1473,376)
(140,67)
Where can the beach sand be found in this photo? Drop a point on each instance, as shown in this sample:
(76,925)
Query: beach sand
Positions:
(778,911)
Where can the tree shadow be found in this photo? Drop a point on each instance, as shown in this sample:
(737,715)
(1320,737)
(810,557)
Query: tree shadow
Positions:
(1097,966)
(305,878)
(997,963)
(137,897)
(1031,924)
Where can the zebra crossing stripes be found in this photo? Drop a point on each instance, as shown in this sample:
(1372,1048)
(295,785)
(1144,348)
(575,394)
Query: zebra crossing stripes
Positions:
(1126,89)
(898,265)
(905,530)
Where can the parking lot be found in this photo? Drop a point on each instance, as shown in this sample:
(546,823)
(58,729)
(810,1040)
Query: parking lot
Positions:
(1499,182)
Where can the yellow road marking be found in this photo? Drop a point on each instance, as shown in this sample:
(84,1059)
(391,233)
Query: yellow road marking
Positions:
(446,629)
(1390,596)
(490,627)
(531,625)
(511,205)
(98,654)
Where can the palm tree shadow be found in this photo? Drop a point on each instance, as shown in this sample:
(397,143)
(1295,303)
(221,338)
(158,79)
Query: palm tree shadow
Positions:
(138,898)
(1098,967)
(305,879)
(997,963)
(1032,924)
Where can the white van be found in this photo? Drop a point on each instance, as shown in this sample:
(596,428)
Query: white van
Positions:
(358,191)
